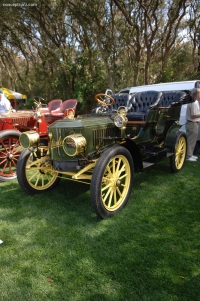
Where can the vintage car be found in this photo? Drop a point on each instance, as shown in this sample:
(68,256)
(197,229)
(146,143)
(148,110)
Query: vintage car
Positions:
(104,149)
(12,124)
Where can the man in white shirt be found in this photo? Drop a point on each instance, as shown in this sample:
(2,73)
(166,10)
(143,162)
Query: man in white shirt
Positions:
(192,125)
(4,103)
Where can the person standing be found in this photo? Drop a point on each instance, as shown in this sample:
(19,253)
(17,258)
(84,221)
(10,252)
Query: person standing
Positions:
(5,105)
(192,125)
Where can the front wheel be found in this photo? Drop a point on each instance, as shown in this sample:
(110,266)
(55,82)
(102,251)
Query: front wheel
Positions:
(35,172)
(177,160)
(112,181)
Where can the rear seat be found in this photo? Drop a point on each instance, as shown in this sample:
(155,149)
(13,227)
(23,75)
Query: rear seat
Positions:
(140,103)
(170,97)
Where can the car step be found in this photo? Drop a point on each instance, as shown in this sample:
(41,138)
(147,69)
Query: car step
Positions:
(147,164)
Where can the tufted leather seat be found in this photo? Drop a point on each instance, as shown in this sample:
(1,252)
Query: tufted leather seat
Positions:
(140,103)
(120,100)
(170,97)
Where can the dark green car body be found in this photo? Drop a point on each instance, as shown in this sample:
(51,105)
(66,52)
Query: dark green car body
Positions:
(104,149)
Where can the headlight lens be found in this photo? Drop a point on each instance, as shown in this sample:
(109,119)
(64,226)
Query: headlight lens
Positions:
(29,139)
(120,121)
(74,144)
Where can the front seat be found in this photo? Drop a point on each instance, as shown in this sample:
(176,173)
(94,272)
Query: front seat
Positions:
(67,106)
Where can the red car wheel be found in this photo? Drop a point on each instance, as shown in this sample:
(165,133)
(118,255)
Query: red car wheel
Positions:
(9,153)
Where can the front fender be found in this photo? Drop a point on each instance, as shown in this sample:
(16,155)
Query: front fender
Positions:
(6,133)
(134,150)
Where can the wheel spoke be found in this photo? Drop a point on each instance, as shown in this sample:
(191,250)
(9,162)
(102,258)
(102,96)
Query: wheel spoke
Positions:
(124,176)
(42,180)
(115,197)
(48,176)
(33,176)
(118,165)
(5,160)
(122,169)
(106,187)
(106,195)
(110,199)
(119,192)
(37,178)
(4,168)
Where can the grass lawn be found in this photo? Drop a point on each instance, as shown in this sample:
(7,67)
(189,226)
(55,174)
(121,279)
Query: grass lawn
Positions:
(55,248)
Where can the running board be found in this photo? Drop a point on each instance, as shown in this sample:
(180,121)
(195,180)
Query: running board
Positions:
(147,164)
(156,152)
(170,154)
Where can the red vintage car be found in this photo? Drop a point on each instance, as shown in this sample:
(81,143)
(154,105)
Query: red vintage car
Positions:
(12,124)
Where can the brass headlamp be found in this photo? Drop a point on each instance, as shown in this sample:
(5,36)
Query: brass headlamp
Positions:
(74,144)
(29,139)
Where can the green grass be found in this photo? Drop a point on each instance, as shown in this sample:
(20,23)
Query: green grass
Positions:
(55,248)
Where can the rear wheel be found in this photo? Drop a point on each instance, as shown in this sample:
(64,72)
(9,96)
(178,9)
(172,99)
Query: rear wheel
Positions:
(177,160)
(112,180)
(35,172)
(9,153)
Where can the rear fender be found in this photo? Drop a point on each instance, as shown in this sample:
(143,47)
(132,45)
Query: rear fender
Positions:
(171,137)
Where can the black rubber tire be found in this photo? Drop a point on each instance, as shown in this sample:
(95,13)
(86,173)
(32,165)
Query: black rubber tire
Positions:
(23,179)
(10,155)
(119,179)
(177,160)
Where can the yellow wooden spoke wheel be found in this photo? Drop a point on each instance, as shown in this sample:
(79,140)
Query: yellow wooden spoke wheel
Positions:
(35,172)
(112,181)
(178,159)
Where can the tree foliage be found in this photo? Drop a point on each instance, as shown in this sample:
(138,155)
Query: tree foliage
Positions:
(58,48)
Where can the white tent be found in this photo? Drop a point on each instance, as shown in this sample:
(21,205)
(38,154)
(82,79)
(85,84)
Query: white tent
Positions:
(12,94)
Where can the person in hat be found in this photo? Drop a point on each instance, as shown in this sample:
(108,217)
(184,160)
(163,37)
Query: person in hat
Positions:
(5,105)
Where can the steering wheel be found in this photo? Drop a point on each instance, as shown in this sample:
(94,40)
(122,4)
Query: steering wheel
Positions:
(39,102)
(39,99)
(103,99)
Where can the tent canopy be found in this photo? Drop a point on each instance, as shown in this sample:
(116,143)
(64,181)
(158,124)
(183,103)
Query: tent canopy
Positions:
(12,94)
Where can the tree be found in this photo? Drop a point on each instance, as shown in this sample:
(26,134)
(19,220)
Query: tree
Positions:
(78,48)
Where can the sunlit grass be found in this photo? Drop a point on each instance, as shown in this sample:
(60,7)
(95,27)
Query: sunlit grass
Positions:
(55,248)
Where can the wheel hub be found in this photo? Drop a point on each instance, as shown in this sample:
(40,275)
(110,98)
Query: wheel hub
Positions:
(44,166)
(10,156)
(118,183)
(115,182)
